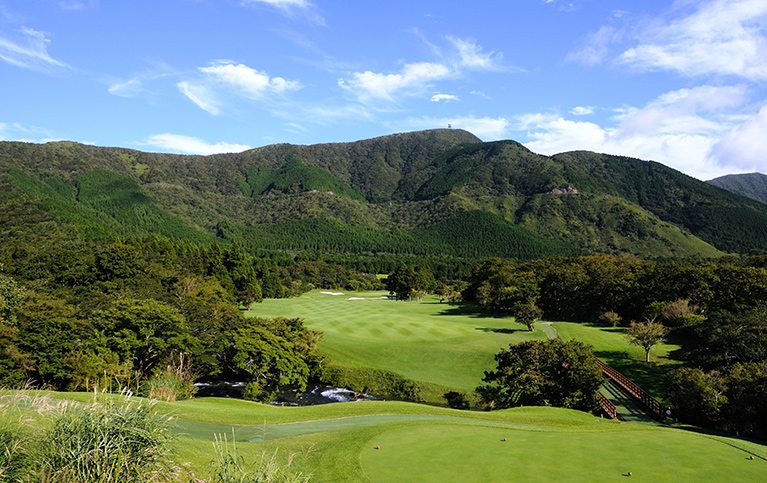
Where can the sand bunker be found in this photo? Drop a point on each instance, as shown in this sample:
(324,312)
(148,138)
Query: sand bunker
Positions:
(332,293)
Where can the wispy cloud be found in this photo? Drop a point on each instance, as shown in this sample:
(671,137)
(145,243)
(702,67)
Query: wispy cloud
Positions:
(222,79)
(200,95)
(415,78)
(718,37)
(28,50)
(139,84)
(582,110)
(596,46)
(697,131)
(471,56)
(78,4)
(177,143)
(444,97)
(15,131)
(291,8)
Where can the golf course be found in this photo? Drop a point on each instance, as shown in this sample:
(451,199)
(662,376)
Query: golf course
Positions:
(442,347)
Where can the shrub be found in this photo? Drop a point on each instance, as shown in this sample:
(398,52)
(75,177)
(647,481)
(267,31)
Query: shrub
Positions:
(456,400)
(610,319)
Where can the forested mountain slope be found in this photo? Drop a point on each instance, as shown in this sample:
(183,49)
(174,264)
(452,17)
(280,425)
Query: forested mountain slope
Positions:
(751,185)
(431,193)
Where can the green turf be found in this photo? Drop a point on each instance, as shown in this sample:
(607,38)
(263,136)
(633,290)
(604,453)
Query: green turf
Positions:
(449,345)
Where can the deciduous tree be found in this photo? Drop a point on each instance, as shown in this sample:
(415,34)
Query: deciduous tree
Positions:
(646,335)
(544,373)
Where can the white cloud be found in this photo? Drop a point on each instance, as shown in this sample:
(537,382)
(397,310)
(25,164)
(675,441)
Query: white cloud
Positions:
(414,78)
(29,51)
(486,128)
(719,37)
(224,79)
(745,146)
(444,97)
(248,81)
(177,143)
(582,110)
(201,96)
(700,131)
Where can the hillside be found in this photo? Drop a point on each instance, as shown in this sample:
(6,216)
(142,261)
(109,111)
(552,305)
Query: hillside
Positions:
(751,185)
(439,193)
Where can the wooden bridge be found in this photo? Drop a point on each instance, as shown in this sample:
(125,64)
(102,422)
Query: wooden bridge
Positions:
(629,387)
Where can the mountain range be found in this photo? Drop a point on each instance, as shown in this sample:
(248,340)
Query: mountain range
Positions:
(440,193)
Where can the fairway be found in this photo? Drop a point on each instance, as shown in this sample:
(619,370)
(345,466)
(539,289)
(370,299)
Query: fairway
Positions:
(449,345)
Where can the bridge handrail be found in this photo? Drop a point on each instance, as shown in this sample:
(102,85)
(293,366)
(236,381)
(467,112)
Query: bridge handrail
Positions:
(633,389)
(607,406)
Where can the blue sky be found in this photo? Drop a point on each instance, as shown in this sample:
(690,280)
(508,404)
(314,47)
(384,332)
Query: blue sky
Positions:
(680,82)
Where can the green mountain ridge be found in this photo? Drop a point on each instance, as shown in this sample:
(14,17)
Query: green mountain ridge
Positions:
(750,185)
(442,192)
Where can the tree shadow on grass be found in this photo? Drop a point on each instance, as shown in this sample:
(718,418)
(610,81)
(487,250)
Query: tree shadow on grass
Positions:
(648,376)
(467,309)
(500,330)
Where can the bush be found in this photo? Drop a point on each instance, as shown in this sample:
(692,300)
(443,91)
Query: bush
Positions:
(610,319)
(456,400)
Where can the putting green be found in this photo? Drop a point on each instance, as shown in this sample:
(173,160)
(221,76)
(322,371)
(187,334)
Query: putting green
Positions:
(443,453)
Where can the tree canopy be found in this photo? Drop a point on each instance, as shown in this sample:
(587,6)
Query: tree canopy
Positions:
(544,373)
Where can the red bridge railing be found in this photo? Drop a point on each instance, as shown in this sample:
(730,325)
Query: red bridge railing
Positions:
(633,390)
(607,406)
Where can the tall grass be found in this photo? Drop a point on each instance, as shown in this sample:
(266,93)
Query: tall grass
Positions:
(229,467)
(112,440)
(173,382)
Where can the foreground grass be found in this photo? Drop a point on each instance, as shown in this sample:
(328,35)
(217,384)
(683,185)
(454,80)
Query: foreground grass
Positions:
(338,442)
